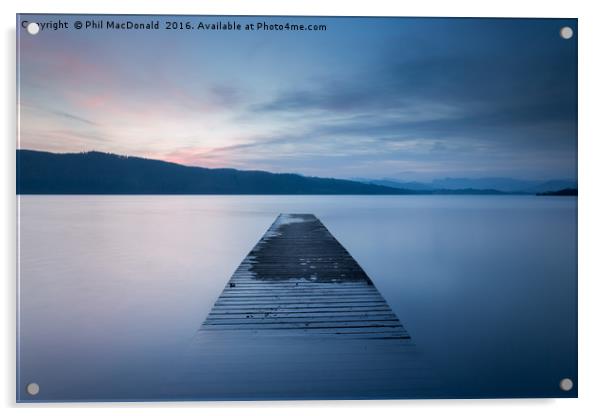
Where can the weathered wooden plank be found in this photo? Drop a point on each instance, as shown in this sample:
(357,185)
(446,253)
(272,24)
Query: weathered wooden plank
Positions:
(296,317)
(314,305)
(301,320)
(318,329)
(389,323)
(337,287)
(264,310)
(261,289)
(296,283)
(293,294)
(296,293)
(296,308)
(301,299)
(300,314)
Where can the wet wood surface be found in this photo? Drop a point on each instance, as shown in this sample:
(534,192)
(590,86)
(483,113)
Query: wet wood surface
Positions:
(300,279)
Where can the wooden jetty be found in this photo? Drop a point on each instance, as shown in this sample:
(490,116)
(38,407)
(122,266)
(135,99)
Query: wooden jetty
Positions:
(300,279)
(300,319)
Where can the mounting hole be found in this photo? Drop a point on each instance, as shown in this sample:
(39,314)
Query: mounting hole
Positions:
(33,28)
(566,32)
(566,384)
(33,389)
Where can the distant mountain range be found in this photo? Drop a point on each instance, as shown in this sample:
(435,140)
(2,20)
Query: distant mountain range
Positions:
(504,185)
(105,173)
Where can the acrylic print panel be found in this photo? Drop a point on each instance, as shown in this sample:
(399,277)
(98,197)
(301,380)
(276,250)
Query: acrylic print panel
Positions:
(263,208)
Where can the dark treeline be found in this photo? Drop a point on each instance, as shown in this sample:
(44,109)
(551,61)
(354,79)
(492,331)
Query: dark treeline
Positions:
(103,173)
(562,192)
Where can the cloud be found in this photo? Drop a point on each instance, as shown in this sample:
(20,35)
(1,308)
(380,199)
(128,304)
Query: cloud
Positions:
(74,117)
(511,102)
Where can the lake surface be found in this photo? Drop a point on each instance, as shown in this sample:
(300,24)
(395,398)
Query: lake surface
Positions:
(114,288)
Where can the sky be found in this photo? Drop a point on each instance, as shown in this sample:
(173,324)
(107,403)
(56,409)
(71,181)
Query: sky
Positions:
(401,98)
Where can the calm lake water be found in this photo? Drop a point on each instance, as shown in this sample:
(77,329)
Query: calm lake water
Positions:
(113,288)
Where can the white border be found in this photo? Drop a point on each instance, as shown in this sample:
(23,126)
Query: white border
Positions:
(590,273)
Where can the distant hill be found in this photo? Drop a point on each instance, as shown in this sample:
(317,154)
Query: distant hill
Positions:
(562,192)
(468,191)
(504,184)
(553,186)
(478,185)
(392,183)
(103,173)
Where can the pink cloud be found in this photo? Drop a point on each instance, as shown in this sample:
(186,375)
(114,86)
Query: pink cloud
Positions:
(195,156)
